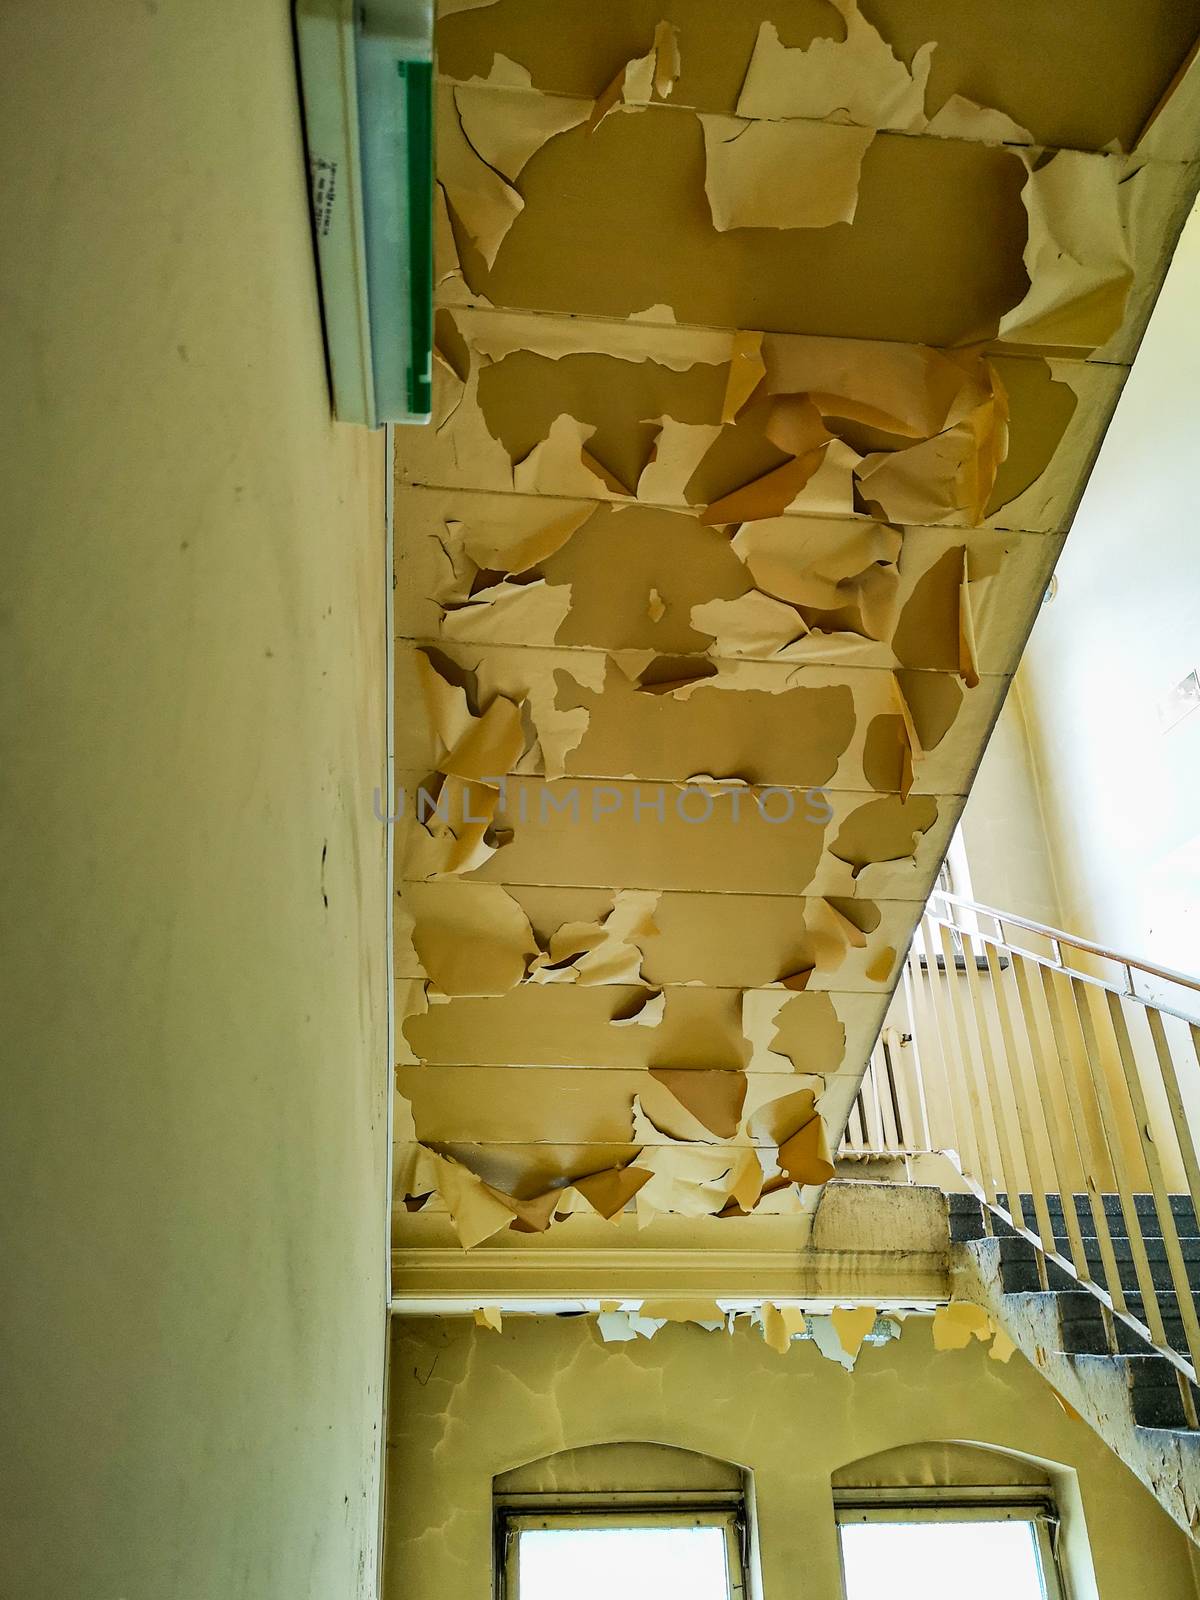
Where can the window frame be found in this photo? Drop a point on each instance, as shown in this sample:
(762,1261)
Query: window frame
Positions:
(517,1513)
(1034,1504)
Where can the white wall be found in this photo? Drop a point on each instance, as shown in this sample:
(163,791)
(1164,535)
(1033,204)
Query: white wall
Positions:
(1008,855)
(1121,798)
(194,968)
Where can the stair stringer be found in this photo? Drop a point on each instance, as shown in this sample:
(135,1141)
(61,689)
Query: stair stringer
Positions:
(1166,1460)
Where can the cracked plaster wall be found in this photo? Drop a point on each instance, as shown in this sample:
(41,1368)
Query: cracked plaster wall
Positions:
(467,1404)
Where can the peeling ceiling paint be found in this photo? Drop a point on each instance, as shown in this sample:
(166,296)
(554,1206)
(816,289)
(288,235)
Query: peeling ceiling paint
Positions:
(762,410)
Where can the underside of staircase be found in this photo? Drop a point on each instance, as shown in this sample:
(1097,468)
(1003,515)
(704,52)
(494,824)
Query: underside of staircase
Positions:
(1140,1398)
(747,475)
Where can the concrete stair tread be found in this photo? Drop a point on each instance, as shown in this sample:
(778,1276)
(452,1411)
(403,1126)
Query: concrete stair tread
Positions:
(1153,1384)
(1137,1397)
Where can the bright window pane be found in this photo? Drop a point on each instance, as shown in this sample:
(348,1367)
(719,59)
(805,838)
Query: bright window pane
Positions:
(941,1561)
(629,1563)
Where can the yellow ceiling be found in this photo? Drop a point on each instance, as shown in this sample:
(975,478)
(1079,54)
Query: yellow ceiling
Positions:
(756,442)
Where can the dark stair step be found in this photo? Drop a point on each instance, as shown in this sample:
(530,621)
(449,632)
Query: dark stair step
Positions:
(966,1217)
(1168,1305)
(1156,1252)
(1019,1266)
(1122,1248)
(1153,1386)
(1160,1269)
(1182,1211)
(1154,1392)
(1081,1323)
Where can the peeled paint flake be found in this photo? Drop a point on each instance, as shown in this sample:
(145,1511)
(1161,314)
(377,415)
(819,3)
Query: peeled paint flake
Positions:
(826,564)
(805,1157)
(531,679)
(476,1209)
(448,390)
(697,1181)
(561,464)
(615,1327)
(910,744)
(911,734)
(887,829)
(471,938)
(445,704)
(832,934)
(936,479)
(665,1123)
(666,59)
(781,174)
(879,968)
(458,832)
(751,625)
(825,1337)
(677,451)
(746,372)
(647,1013)
(780,1323)
(532,612)
(852,1324)
(760,1010)
(505,126)
(511,535)
(909,389)
(601,952)
(450,286)
(1068,1409)
(772,1116)
(641,79)
(955,1325)
(952,407)
(474,750)
(487,131)
(609,1192)
(1077,256)
(483,202)
(796,426)
(858,79)
(621,1326)
(491,746)
(715,1099)
(961,118)
(767,496)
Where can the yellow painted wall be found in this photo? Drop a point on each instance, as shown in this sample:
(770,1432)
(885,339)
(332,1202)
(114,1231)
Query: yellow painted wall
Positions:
(192,719)
(467,1403)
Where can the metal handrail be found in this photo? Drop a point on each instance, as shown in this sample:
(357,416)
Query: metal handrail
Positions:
(1055,1090)
(1055,964)
(1058,937)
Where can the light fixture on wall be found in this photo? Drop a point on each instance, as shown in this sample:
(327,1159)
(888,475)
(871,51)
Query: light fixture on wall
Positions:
(366,69)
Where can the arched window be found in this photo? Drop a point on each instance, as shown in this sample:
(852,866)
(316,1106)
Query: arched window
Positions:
(636,1520)
(941,1520)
